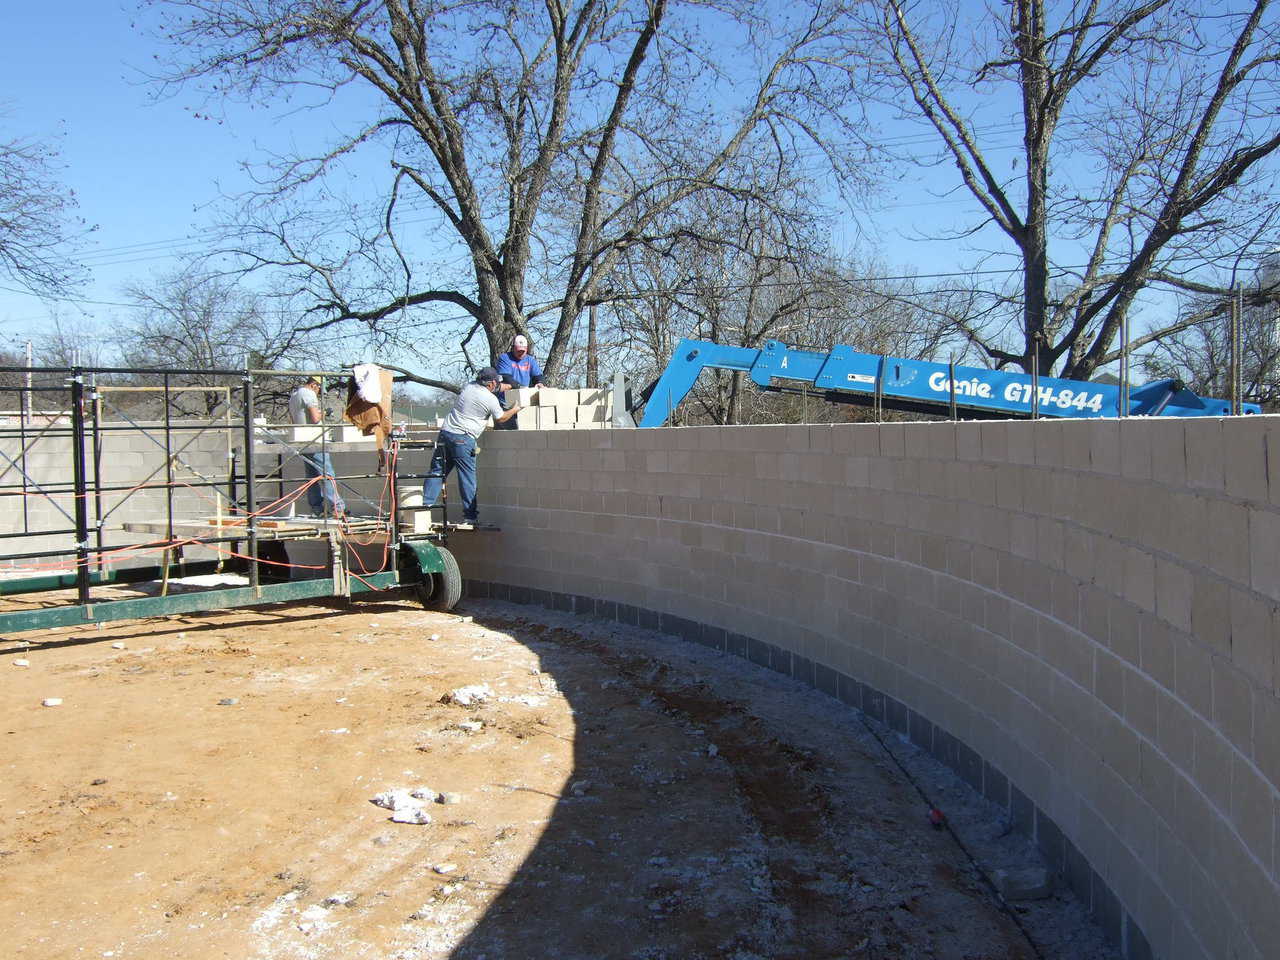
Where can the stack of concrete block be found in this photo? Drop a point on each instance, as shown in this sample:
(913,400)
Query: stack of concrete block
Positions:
(335,433)
(549,408)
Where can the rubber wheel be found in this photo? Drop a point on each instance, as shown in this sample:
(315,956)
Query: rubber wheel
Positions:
(442,591)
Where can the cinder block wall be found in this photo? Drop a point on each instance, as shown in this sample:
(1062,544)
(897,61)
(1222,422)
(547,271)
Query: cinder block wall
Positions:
(132,471)
(1080,617)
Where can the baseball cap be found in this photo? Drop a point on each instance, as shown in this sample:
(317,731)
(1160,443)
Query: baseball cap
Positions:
(520,343)
(487,375)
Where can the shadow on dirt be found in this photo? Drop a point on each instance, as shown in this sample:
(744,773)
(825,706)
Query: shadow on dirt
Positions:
(692,828)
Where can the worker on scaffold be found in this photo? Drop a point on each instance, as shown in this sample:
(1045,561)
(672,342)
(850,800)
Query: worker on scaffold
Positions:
(517,368)
(456,445)
(304,410)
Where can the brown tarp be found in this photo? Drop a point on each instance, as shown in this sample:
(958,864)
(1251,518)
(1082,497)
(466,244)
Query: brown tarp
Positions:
(372,418)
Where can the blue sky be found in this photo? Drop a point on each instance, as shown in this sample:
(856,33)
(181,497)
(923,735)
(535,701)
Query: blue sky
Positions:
(146,171)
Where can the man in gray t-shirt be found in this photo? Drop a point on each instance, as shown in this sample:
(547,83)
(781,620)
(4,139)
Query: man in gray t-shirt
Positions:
(456,445)
(304,409)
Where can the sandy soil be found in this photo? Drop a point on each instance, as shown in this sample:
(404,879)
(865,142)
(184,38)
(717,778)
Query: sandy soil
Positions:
(205,792)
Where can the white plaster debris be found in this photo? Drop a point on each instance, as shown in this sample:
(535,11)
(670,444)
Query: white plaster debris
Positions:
(528,699)
(712,750)
(21,663)
(228,702)
(449,798)
(580,788)
(407,806)
(444,869)
(51,702)
(117,646)
(340,900)
(393,799)
(338,730)
(468,696)
(314,919)
(470,726)
(411,815)
(434,636)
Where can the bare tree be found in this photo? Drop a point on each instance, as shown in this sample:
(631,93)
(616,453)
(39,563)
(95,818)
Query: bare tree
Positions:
(744,273)
(497,118)
(37,223)
(1200,354)
(1147,127)
(195,323)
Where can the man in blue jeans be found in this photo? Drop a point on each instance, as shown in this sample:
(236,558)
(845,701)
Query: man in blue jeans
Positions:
(304,408)
(456,445)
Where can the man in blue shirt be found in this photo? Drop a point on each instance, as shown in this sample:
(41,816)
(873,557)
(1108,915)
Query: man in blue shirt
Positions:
(517,368)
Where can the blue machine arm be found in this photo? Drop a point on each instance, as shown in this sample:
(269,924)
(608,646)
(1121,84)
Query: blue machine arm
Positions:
(919,384)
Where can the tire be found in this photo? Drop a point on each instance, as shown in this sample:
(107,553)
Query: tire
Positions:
(442,591)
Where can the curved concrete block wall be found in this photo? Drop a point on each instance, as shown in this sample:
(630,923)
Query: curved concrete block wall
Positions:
(1079,617)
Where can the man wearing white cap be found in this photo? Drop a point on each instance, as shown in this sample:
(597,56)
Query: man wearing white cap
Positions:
(517,368)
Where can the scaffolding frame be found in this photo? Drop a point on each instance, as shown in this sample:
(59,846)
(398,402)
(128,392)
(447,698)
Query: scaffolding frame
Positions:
(239,529)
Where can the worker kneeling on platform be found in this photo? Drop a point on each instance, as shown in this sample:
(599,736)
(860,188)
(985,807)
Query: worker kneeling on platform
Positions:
(456,445)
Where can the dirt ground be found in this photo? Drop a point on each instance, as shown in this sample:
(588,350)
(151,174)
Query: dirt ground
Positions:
(205,792)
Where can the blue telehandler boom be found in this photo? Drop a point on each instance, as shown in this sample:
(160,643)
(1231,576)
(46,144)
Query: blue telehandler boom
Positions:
(894,383)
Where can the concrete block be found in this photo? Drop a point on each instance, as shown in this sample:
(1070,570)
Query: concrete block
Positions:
(1157,658)
(1264,551)
(1104,446)
(1141,697)
(1175,732)
(1135,449)
(1252,808)
(1211,613)
(1123,632)
(525,396)
(1245,458)
(1205,454)
(553,396)
(1228,539)
(1232,703)
(1193,669)
(1108,680)
(893,440)
(968,440)
(1028,883)
(1266,739)
(586,414)
(1212,771)
(1173,594)
(1254,638)
(1271,426)
(1168,450)
(1139,578)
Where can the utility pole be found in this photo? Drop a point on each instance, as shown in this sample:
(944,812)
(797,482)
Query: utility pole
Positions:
(1237,378)
(28,413)
(593,357)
